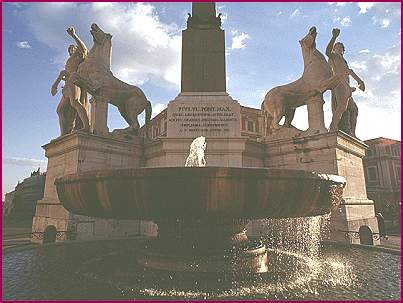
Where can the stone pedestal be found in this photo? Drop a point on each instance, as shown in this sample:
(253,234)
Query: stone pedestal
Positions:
(210,115)
(99,116)
(316,119)
(203,60)
(171,152)
(80,152)
(331,153)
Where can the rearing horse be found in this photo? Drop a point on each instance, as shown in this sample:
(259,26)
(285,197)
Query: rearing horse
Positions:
(95,75)
(315,80)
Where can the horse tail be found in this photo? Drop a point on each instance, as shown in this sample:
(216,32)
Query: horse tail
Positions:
(267,116)
(148,110)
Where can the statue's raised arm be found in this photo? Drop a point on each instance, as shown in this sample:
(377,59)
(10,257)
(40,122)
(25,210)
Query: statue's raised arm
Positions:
(82,48)
(329,48)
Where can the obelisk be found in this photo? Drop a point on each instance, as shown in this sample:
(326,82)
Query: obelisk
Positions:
(203,51)
(203,107)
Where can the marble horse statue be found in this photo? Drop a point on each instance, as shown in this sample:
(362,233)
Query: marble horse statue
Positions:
(94,75)
(283,100)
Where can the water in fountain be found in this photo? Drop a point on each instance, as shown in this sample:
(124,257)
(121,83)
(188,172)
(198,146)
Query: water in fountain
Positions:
(196,153)
(300,235)
(298,267)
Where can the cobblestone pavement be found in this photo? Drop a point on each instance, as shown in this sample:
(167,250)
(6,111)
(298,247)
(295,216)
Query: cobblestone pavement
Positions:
(393,241)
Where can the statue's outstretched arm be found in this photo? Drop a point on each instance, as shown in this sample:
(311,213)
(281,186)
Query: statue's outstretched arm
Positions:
(80,44)
(329,48)
(62,76)
(361,84)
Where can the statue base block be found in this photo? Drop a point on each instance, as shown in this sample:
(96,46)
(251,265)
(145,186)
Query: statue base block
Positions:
(80,152)
(332,153)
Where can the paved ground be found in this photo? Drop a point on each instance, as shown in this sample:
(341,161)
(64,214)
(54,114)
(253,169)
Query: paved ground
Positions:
(16,233)
(393,241)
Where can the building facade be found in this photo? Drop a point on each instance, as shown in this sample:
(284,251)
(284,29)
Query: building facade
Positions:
(21,202)
(382,173)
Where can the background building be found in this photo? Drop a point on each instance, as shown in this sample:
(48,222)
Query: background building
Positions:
(21,202)
(382,175)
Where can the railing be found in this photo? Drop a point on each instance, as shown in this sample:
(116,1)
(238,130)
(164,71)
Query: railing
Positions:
(60,235)
(349,234)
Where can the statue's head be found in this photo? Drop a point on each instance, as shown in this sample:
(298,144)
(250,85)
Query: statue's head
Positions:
(98,35)
(71,49)
(309,40)
(338,48)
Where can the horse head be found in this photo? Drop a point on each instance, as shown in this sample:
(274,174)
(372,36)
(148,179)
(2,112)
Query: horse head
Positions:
(309,41)
(308,45)
(102,45)
(98,35)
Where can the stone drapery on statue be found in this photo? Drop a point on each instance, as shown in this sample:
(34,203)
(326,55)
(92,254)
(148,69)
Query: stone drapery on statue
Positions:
(317,77)
(95,76)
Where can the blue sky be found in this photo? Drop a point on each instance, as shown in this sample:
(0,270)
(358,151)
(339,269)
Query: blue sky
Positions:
(262,52)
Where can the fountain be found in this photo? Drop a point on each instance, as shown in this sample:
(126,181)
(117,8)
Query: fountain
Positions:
(201,212)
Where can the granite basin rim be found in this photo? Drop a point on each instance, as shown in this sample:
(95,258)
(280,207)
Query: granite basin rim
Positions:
(205,193)
(219,172)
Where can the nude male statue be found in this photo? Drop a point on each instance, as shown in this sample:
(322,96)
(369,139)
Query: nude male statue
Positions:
(344,109)
(74,101)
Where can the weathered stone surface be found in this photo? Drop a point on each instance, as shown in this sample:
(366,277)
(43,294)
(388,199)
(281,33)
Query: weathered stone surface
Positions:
(171,152)
(199,193)
(331,153)
(81,152)
(203,51)
(192,115)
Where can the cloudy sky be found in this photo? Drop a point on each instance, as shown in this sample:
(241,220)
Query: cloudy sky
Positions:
(261,46)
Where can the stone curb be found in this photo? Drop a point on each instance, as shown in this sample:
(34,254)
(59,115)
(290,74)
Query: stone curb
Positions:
(24,247)
(393,251)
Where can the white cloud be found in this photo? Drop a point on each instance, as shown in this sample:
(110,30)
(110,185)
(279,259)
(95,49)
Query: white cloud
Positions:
(337,3)
(24,161)
(295,13)
(144,47)
(346,21)
(385,23)
(238,40)
(384,14)
(365,6)
(381,100)
(358,65)
(23,44)
(157,108)
(364,51)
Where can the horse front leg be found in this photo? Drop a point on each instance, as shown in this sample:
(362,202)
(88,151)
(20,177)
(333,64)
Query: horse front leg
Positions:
(330,83)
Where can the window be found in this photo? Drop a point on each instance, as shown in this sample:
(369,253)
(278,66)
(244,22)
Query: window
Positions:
(369,152)
(372,173)
(250,126)
(387,150)
(397,170)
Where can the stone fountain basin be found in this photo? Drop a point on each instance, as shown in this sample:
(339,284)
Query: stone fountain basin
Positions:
(199,193)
